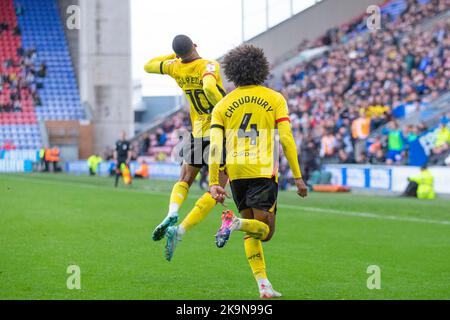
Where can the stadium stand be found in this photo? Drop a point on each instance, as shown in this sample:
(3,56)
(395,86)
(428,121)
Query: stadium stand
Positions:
(37,77)
(17,113)
(337,99)
(43,30)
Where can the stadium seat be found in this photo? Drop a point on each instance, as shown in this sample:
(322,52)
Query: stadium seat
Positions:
(42,29)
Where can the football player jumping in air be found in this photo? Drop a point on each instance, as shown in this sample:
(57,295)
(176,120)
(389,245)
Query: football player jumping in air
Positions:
(201,83)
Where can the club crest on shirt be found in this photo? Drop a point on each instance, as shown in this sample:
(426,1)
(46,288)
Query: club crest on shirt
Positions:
(210,67)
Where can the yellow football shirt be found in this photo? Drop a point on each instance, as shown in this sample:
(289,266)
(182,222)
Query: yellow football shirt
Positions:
(189,77)
(249,116)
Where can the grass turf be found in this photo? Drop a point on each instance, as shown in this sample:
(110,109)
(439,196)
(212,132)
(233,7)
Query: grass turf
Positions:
(321,249)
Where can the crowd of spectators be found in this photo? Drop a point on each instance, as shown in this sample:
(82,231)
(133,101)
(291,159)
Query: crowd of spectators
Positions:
(338,99)
(20,75)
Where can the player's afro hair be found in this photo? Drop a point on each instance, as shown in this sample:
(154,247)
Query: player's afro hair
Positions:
(182,45)
(246,65)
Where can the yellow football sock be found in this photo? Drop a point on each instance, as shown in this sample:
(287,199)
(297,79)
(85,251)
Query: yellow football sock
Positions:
(255,256)
(202,207)
(179,194)
(254,228)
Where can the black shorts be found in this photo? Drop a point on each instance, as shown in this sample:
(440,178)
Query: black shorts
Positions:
(119,163)
(258,193)
(196,152)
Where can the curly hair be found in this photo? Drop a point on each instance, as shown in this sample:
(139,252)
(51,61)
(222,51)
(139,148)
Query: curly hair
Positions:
(246,65)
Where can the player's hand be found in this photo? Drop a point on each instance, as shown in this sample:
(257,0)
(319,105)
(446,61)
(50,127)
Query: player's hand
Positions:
(218,193)
(302,189)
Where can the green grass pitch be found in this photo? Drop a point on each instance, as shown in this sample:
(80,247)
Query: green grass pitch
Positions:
(321,249)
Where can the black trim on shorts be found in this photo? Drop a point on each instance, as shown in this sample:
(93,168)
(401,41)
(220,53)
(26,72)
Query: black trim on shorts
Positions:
(161,67)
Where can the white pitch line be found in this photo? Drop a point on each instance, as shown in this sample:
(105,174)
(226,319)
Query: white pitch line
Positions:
(286,206)
(364,214)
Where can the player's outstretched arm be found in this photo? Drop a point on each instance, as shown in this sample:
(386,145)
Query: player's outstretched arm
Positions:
(155,65)
(215,156)
(290,151)
(210,89)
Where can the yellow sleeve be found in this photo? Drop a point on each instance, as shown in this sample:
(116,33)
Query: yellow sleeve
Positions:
(289,148)
(160,65)
(281,110)
(286,138)
(216,147)
(210,87)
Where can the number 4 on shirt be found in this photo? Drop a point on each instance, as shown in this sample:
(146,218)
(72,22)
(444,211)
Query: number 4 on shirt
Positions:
(252,134)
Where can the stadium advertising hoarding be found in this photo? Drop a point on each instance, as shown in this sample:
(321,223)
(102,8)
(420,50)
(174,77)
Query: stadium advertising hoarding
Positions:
(385,178)
(18,160)
(14,166)
(157,170)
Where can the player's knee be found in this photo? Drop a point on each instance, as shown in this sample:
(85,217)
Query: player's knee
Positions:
(268,237)
(187,177)
(269,234)
(264,232)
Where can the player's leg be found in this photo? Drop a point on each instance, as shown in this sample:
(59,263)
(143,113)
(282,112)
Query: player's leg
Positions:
(248,193)
(189,171)
(256,201)
(202,208)
(259,226)
(255,253)
(178,196)
(118,173)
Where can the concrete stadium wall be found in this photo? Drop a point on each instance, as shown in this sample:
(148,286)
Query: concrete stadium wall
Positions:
(309,24)
(72,36)
(105,68)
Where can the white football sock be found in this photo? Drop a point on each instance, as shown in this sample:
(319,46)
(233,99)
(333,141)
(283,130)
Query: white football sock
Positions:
(173,210)
(180,231)
(264,282)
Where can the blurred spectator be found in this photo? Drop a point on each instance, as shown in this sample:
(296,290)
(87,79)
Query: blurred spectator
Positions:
(412,134)
(93,163)
(379,157)
(361,127)
(142,172)
(3,27)
(345,157)
(308,158)
(42,72)
(421,185)
(395,143)
(328,145)
(161,136)
(373,152)
(442,138)
(17,31)
(145,144)
(360,132)
(19,9)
